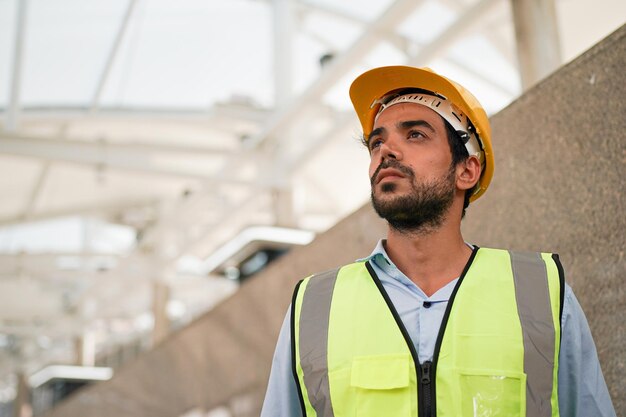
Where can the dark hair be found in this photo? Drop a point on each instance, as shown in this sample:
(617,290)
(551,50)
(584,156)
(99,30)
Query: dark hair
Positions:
(459,154)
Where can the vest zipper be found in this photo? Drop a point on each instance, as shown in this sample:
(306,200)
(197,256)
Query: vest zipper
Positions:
(430,389)
(425,391)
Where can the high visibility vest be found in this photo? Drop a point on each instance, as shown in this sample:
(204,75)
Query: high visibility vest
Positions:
(496,353)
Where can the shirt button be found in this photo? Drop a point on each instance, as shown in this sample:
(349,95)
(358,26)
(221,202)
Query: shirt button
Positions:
(427,304)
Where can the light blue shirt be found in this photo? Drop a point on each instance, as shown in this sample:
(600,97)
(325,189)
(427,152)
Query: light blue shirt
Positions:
(582,390)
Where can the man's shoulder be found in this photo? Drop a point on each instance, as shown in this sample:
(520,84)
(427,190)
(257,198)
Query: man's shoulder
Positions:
(519,257)
(359,264)
(505,251)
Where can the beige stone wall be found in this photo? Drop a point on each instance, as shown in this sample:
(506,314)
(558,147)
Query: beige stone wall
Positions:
(559,186)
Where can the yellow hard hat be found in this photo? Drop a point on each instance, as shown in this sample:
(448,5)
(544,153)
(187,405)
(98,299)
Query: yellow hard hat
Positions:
(368,91)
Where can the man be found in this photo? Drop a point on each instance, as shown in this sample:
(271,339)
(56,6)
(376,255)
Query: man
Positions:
(429,325)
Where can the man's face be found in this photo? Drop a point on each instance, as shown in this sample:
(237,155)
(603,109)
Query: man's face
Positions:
(411,172)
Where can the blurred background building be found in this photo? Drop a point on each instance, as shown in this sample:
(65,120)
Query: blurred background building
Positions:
(156,154)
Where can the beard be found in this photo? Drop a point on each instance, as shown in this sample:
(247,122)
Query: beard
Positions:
(421,210)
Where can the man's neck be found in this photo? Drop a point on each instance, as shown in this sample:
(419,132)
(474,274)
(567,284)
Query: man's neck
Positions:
(431,259)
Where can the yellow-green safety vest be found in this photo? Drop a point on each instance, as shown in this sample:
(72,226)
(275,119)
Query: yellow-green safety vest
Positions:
(496,353)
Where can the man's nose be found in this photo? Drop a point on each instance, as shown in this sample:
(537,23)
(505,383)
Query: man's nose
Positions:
(389,149)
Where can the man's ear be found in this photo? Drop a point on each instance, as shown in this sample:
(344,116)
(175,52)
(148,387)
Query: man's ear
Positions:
(468,173)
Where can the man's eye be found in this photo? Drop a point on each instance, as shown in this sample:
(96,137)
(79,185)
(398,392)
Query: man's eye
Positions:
(414,134)
(375,143)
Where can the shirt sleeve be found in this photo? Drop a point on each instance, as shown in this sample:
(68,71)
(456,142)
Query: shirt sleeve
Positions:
(281,398)
(582,389)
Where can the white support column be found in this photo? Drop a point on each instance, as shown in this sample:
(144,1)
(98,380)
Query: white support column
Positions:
(537,38)
(85,349)
(21,403)
(283,207)
(160,297)
(18,52)
(283,37)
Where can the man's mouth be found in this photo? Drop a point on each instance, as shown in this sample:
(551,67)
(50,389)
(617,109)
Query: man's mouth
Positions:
(390,171)
(388,174)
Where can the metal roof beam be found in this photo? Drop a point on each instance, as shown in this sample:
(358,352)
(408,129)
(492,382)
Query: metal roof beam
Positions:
(398,10)
(405,44)
(330,11)
(95,101)
(401,41)
(234,119)
(46,259)
(16,82)
(128,156)
(75,145)
(463,24)
(50,327)
(111,208)
(283,36)
(249,114)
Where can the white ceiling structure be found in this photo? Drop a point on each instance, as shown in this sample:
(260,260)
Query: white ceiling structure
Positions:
(138,138)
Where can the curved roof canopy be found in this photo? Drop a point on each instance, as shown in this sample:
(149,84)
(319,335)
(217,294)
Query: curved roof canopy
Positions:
(138,137)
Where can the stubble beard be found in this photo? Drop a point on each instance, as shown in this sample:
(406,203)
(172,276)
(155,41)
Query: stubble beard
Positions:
(420,211)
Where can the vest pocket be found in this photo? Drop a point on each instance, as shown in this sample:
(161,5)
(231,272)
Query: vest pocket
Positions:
(382,385)
(492,393)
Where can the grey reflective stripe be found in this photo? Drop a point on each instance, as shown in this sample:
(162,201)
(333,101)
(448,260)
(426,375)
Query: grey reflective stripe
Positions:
(313,336)
(535,312)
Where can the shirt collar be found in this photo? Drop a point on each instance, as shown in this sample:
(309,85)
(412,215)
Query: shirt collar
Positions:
(379,251)
(389,270)
(381,259)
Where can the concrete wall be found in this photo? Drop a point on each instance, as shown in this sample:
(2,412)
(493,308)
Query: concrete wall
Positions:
(558,186)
